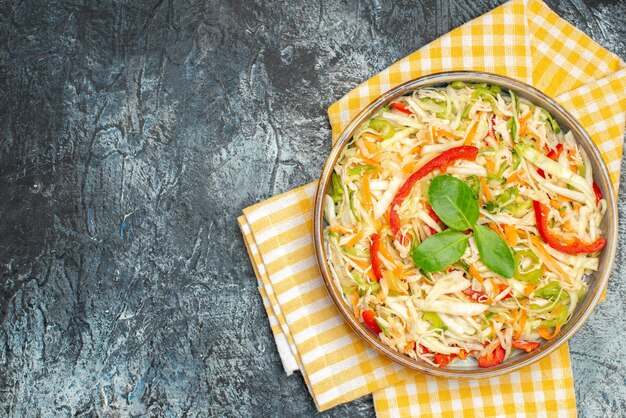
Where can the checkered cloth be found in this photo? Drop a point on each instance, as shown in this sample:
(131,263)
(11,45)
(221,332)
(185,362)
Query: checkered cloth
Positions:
(524,40)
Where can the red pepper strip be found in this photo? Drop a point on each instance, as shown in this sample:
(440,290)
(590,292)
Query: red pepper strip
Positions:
(442,160)
(541,173)
(442,360)
(401,107)
(368,319)
(374,256)
(576,247)
(424,350)
(597,192)
(475,295)
(555,154)
(527,346)
(492,359)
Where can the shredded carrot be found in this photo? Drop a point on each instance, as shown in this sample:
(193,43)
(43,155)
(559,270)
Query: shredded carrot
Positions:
(495,228)
(409,168)
(524,118)
(462,354)
(515,315)
(511,235)
(367,194)
(545,333)
(493,328)
(562,199)
(369,135)
(398,271)
(338,229)
(529,289)
(513,178)
(365,265)
(485,188)
(555,204)
(369,161)
(447,131)
(470,134)
(491,166)
(568,226)
(354,240)
(522,323)
(416,149)
(475,273)
(378,224)
(537,242)
(525,131)
(385,252)
(366,147)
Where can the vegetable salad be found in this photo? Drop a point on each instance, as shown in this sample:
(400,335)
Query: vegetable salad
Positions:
(461,222)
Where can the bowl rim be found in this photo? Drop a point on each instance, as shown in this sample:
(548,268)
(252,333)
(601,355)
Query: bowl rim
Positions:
(607,258)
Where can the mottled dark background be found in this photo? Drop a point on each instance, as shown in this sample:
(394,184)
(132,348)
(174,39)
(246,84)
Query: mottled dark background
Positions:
(131,136)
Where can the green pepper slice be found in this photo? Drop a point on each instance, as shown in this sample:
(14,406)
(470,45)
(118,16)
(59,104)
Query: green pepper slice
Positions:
(384,129)
(358,170)
(435,320)
(336,189)
(530,274)
(549,291)
(559,319)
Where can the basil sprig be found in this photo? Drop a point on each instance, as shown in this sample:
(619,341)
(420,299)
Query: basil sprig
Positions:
(457,207)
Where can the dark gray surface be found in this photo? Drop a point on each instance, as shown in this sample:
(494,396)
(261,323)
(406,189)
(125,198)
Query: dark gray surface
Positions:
(131,136)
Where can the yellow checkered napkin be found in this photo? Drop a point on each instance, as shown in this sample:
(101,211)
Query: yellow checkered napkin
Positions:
(521,39)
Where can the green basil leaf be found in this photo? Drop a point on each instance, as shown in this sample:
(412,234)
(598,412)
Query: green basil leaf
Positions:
(494,252)
(441,250)
(453,201)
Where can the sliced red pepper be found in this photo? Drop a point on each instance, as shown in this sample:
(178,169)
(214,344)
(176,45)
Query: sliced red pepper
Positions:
(527,346)
(575,247)
(424,350)
(597,192)
(442,160)
(495,357)
(370,321)
(442,360)
(402,107)
(474,295)
(556,153)
(374,256)
(541,173)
